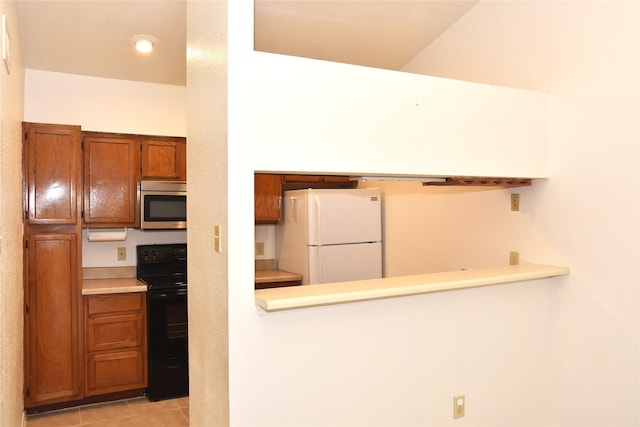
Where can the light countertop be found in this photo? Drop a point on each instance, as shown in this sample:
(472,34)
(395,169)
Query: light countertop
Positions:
(112,286)
(295,297)
(266,276)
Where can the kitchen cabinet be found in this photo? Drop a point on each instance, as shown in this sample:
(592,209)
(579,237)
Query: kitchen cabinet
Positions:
(299,181)
(267,198)
(52,173)
(164,158)
(110,180)
(116,356)
(268,191)
(113,165)
(52,167)
(52,343)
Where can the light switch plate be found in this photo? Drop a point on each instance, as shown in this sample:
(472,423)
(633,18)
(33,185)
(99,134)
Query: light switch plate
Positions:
(217,238)
(6,44)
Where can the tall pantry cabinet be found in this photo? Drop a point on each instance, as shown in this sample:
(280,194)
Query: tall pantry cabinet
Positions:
(53,333)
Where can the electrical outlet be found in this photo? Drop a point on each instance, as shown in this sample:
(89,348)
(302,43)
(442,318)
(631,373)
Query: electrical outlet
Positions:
(259,248)
(515,202)
(514,258)
(458,406)
(122,254)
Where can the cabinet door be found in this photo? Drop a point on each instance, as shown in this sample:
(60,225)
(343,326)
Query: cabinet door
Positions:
(116,355)
(53,354)
(115,371)
(267,198)
(110,180)
(114,332)
(164,158)
(53,173)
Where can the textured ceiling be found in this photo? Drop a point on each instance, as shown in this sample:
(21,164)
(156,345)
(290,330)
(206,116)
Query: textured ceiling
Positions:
(93,37)
(380,34)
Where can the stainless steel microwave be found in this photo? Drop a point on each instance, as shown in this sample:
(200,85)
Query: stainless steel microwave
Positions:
(163,205)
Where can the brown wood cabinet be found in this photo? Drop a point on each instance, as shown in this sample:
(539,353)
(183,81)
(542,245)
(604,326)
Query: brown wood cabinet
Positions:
(291,182)
(53,364)
(52,264)
(267,198)
(116,357)
(110,180)
(52,172)
(268,190)
(164,158)
(113,165)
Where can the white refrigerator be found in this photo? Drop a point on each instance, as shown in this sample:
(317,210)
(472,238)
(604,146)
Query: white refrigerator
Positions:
(331,235)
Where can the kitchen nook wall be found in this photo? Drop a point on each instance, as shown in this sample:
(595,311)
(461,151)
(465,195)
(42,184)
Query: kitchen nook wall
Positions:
(400,361)
(105,105)
(390,362)
(11,239)
(586,55)
(108,105)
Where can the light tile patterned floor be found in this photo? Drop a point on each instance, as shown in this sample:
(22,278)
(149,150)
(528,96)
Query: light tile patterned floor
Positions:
(137,412)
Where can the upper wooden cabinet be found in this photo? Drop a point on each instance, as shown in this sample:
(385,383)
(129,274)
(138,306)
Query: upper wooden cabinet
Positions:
(318,181)
(53,173)
(164,158)
(110,180)
(268,191)
(267,198)
(113,165)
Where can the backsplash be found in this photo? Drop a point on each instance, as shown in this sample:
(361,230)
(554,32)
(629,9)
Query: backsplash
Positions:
(267,235)
(105,254)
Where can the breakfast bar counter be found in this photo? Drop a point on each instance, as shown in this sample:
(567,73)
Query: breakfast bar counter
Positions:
(296,297)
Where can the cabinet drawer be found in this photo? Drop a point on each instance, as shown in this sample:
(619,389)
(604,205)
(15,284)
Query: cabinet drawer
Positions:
(115,371)
(115,303)
(113,332)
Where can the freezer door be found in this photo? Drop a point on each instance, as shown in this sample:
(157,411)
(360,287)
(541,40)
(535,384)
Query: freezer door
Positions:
(344,216)
(343,263)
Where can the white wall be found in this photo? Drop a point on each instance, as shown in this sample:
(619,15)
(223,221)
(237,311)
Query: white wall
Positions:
(429,229)
(358,120)
(108,105)
(105,105)
(434,229)
(393,362)
(11,298)
(587,55)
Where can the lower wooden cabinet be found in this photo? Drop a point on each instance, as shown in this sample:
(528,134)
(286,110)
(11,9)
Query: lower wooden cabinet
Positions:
(53,352)
(116,358)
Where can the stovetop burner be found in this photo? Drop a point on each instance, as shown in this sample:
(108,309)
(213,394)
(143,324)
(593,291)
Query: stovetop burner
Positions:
(162,266)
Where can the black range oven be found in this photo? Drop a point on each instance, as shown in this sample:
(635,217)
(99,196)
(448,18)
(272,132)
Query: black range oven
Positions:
(164,269)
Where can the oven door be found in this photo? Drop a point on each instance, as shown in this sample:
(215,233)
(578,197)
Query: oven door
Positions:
(167,325)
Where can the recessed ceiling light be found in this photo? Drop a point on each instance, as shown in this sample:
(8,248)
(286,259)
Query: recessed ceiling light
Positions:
(143,43)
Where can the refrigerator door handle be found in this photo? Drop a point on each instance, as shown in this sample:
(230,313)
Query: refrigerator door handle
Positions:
(318,222)
(318,219)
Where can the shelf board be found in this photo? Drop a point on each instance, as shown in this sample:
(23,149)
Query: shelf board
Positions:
(296,297)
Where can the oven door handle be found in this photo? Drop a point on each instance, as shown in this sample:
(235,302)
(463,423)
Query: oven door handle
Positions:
(165,295)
